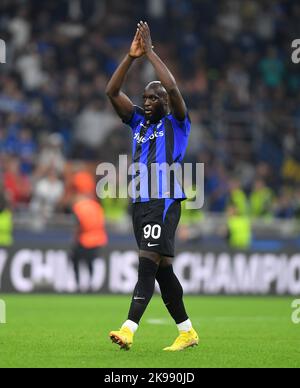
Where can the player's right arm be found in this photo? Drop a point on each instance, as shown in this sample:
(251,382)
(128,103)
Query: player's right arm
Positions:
(120,101)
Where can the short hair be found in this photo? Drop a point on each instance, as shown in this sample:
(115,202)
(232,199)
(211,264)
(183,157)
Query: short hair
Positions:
(159,88)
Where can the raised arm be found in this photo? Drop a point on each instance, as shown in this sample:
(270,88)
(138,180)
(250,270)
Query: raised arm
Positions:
(120,101)
(167,79)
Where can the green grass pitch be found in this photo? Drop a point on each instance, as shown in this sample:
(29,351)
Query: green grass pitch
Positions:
(72,331)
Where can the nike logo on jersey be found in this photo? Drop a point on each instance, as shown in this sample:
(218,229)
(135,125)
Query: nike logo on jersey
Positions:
(153,245)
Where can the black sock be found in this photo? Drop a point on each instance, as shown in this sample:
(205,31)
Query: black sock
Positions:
(76,271)
(90,264)
(172,293)
(144,289)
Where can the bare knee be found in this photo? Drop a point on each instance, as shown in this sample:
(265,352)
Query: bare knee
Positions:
(153,256)
(166,262)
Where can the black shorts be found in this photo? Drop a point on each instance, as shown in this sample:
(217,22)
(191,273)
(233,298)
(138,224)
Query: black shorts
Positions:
(155,224)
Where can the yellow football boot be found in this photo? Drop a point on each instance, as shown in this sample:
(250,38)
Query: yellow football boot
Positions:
(123,338)
(186,339)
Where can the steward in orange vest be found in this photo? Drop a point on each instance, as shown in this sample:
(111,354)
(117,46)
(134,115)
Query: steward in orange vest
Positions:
(91,236)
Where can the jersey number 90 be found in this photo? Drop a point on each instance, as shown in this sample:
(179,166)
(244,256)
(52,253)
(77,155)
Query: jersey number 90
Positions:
(152,231)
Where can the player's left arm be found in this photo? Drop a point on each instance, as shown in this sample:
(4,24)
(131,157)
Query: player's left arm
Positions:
(165,76)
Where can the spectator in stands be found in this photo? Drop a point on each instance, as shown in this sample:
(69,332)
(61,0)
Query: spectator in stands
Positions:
(285,207)
(261,200)
(26,149)
(17,186)
(47,195)
(238,198)
(6,223)
(94,124)
(272,68)
(51,155)
(239,229)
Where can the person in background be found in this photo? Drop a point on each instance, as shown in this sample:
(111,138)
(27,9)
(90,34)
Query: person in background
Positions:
(6,223)
(51,155)
(238,198)
(239,229)
(47,195)
(91,235)
(261,200)
(17,186)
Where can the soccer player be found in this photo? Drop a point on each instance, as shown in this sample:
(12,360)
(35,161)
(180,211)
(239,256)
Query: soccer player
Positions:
(160,135)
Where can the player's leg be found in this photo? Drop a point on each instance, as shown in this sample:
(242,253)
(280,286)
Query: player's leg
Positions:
(172,295)
(171,291)
(143,292)
(144,289)
(144,219)
(151,243)
(143,222)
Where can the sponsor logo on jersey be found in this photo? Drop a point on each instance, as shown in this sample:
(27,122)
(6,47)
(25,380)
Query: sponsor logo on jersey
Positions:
(144,139)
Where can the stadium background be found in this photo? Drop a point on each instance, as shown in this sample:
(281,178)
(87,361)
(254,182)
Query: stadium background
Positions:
(232,60)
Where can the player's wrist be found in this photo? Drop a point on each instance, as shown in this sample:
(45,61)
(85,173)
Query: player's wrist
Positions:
(131,57)
(150,52)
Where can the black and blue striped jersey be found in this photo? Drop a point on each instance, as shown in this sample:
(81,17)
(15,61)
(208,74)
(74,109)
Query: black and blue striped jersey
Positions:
(155,147)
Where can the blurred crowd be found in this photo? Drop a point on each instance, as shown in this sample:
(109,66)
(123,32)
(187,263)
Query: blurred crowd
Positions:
(231,59)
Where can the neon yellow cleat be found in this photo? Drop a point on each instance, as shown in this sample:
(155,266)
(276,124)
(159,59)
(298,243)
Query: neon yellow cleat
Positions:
(186,339)
(123,338)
